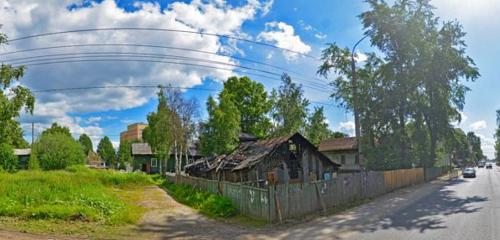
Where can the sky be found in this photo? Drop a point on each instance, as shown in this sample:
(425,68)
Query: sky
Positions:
(305,27)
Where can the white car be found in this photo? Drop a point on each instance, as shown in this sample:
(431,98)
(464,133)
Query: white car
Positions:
(489,165)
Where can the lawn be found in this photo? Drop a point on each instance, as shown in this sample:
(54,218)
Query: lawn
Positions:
(67,200)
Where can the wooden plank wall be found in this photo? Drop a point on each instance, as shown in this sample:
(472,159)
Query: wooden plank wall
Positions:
(294,200)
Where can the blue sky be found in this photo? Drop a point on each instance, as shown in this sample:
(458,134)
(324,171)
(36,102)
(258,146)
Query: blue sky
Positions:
(305,26)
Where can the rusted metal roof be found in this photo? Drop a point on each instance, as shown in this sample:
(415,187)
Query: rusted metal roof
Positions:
(338,144)
(22,152)
(141,149)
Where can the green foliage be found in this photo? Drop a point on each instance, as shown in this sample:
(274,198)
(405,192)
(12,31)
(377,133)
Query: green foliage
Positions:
(56,128)
(124,154)
(11,106)
(475,146)
(410,95)
(289,111)
(159,134)
(317,128)
(252,102)
(8,160)
(86,143)
(208,203)
(58,150)
(33,163)
(79,194)
(219,135)
(107,152)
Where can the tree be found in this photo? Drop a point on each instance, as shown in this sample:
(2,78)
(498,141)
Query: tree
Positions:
(317,128)
(57,150)
(497,139)
(8,160)
(475,147)
(289,110)
(107,152)
(159,134)
(86,143)
(219,135)
(56,128)
(33,163)
(124,154)
(419,80)
(251,100)
(12,102)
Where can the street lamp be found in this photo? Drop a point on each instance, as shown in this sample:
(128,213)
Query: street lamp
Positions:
(356,102)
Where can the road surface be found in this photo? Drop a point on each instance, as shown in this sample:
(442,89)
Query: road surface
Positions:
(459,209)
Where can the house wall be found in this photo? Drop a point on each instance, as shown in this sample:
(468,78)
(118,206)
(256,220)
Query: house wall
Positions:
(23,161)
(350,159)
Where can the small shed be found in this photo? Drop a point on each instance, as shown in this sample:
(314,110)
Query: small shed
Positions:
(283,159)
(23,156)
(342,151)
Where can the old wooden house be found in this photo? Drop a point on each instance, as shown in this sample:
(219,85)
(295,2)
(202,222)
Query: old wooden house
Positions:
(23,156)
(144,160)
(280,160)
(343,151)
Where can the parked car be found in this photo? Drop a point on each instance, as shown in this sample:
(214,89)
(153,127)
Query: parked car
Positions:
(489,165)
(469,172)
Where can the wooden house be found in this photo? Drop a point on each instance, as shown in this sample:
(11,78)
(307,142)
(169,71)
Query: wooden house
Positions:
(144,160)
(23,157)
(342,151)
(280,160)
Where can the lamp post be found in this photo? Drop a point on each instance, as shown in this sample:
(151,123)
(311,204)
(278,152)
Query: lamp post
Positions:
(357,127)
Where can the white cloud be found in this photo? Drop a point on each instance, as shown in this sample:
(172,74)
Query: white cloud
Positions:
(360,57)
(94,119)
(478,125)
(26,17)
(320,35)
(347,127)
(283,36)
(487,145)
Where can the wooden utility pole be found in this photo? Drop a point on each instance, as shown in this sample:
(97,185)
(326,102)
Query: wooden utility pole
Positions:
(32,133)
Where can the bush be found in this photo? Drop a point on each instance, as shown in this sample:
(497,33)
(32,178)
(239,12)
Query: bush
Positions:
(58,151)
(208,203)
(8,160)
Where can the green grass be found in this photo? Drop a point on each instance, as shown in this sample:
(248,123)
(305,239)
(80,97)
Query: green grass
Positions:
(75,194)
(207,203)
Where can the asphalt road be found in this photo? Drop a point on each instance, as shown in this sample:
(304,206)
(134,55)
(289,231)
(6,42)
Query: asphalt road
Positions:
(460,209)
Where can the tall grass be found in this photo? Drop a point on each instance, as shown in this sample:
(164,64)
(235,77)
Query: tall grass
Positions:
(74,194)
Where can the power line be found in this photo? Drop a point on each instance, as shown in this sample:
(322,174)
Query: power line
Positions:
(139,86)
(47,57)
(157,47)
(320,89)
(161,30)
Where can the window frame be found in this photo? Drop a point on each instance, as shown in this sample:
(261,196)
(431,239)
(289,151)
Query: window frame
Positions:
(155,162)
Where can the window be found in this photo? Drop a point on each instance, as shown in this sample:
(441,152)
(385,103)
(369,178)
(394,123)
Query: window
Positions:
(342,159)
(154,162)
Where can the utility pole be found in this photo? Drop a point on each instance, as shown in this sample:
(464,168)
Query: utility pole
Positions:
(357,126)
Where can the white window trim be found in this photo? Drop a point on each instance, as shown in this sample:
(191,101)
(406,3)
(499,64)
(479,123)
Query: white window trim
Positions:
(154,162)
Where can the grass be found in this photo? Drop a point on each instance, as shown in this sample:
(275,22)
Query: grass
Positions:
(207,203)
(75,194)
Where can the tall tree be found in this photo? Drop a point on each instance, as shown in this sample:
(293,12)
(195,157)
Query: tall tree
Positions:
(56,128)
(107,152)
(289,111)
(13,98)
(219,135)
(317,128)
(251,100)
(159,134)
(475,147)
(86,143)
(497,139)
(124,154)
(419,80)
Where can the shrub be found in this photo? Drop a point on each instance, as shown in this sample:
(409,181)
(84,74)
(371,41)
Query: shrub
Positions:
(207,203)
(8,160)
(58,151)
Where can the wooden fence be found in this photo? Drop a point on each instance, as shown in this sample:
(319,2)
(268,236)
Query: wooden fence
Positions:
(294,200)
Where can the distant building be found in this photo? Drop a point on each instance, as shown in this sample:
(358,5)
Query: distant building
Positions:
(133,133)
(144,160)
(342,151)
(23,156)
